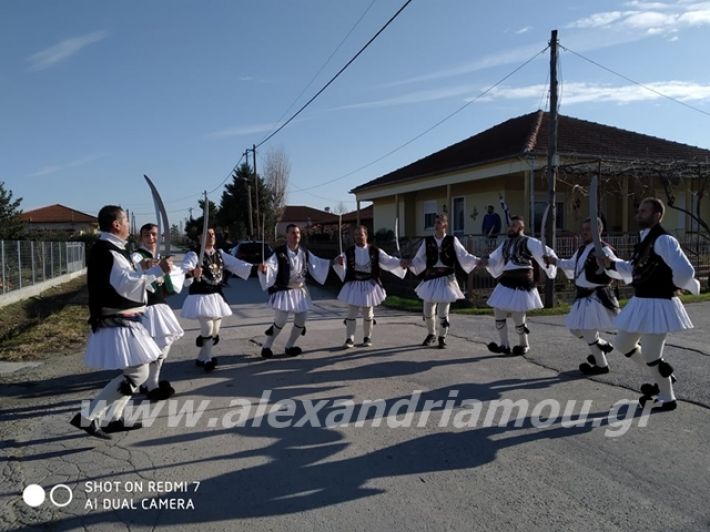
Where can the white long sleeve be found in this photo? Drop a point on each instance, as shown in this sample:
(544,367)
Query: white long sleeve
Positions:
(467,261)
(418,264)
(128,282)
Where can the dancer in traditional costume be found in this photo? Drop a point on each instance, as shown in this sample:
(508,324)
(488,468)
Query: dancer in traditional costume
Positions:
(117,299)
(359,267)
(283,275)
(657,270)
(206,302)
(437,258)
(159,319)
(516,294)
(595,305)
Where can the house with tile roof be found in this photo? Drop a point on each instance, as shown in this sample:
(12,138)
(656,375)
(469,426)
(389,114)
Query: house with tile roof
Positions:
(509,160)
(61,219)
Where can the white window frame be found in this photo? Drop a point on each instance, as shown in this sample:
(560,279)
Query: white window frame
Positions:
(457,231)
(429,207)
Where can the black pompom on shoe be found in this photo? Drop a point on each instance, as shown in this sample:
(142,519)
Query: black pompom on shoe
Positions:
(588,369)
(92,429)
(293,351)
(266,353)
(429,340)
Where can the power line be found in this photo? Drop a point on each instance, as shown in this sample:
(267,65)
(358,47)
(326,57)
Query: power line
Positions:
(336,75)
(326,62)
(659,93)
(437,124)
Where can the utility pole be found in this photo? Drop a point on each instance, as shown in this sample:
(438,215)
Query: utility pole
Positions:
(553,161)
(251,221)
(256,188)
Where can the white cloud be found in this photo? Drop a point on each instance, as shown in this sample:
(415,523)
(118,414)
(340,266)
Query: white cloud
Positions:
(522,30)
(504,57)
(651,18)
(62,50)
(244,130)
(413,97)
(575,93)
(53,169)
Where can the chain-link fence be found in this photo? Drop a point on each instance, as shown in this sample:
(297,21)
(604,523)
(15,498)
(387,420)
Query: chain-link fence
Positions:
(24,262)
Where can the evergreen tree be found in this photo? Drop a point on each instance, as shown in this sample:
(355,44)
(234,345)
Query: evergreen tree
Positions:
(11,227)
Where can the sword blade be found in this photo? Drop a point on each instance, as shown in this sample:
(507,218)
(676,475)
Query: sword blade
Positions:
(205,227)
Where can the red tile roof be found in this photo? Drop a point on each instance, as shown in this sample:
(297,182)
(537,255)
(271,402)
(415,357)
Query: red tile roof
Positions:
(57,214)
(366,214)
(527,134)
(301,213)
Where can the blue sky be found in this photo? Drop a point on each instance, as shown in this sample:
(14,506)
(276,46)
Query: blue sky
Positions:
(94,94)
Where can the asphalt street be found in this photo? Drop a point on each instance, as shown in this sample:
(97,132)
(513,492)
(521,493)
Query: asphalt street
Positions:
(391,437)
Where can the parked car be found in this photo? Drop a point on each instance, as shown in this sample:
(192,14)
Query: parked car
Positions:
(250,251)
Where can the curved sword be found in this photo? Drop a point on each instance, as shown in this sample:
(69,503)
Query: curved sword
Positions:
(161,216)
(205,227)
(593,218)
(396,236)
(340,232)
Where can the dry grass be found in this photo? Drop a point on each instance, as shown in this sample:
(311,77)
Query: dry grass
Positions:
(52,323)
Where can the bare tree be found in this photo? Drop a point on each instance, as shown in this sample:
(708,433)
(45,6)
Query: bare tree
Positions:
(276,173)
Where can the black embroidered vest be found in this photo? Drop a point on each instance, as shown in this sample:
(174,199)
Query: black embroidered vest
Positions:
(101,293)
(351,274)
(591,267)
(284,273)
(652,277)
(447,255)
(212,275)
(515,249)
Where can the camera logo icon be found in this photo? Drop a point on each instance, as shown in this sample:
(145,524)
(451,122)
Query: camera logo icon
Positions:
(60,495)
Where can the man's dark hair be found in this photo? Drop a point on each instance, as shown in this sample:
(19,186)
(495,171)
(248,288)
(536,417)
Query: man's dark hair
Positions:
(363,227)
(600,223)
(147,227)
(517,218)
(656,204)
(107,215)
(289,226)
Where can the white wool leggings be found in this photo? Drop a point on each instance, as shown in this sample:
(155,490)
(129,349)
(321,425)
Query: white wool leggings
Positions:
(209,328)
(108,405)
(441,311)
(591,338)
(501,317)
(368,316)
(280,319)
(649,351)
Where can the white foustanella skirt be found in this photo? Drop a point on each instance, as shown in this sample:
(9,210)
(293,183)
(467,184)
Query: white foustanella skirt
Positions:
(653,316)
(362,293)
(161,323)
(514,299)
(120,347)
(210,306)
(292,300)
(440,290)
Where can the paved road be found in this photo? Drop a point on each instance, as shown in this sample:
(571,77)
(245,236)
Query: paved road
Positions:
(400,464)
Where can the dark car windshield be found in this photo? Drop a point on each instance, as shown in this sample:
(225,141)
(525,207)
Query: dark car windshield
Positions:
(252,247)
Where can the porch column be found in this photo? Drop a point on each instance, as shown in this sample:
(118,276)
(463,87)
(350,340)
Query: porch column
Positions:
(448,198)
(357,213)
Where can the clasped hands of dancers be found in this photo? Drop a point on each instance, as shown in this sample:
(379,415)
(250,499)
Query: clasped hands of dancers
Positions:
(133,328)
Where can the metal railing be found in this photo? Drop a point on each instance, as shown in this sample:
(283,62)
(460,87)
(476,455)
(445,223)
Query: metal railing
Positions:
(25,262)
